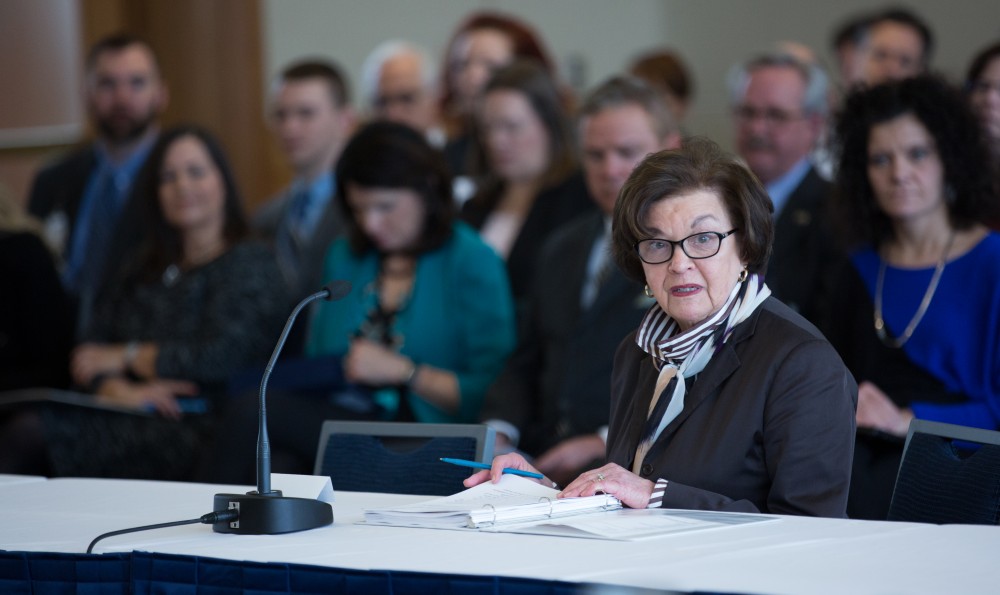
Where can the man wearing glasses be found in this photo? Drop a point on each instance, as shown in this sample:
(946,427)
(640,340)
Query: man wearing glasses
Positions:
(399,84)
(780,106)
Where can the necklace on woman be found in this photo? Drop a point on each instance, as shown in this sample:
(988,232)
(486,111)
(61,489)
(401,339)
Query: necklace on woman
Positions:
(880,329)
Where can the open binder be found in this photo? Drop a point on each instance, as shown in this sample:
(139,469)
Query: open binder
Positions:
(512,501)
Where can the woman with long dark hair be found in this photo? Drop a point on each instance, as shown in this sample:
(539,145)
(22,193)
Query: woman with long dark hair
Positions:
(198,303)
(528,178)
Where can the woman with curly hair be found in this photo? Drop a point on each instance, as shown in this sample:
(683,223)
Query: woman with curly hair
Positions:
(917,312)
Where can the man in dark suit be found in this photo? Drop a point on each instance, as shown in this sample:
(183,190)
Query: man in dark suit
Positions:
(86,198)
(780,105)
(552,399)
(311,118)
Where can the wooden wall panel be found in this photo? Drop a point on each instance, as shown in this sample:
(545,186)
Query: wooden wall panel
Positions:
(211,55)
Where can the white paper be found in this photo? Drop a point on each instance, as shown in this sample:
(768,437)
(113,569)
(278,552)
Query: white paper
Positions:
(313,487)
(631,524)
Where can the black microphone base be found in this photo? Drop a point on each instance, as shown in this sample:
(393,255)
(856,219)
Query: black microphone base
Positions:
(270,515)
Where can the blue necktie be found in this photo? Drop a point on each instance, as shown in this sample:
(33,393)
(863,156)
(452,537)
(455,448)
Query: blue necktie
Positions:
(292,236)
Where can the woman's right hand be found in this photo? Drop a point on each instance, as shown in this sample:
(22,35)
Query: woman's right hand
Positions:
(367,362)
(494,473)
(161,395)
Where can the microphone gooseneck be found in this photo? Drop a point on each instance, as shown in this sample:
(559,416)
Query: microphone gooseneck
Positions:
(263,444)
(266,511)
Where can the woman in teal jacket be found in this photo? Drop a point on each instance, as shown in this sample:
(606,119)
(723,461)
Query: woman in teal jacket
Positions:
(429,322)
(425,329)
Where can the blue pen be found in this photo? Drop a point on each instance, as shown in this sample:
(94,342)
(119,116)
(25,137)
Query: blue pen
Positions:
(476,465)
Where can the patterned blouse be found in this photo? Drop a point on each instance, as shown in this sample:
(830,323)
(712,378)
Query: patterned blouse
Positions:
(209,322)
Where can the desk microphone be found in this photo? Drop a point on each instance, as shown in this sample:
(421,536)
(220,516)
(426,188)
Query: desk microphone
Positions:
(266,511)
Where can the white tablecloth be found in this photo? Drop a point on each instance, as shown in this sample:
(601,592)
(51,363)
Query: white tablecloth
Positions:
(792,555)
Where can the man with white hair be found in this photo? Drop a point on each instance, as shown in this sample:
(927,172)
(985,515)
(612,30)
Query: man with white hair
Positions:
(780,104)
(399,84)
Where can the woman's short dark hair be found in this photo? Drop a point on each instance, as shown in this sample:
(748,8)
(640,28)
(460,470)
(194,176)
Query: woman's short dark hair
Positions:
(960,146)
(698,165)
(391,155)
(162,243)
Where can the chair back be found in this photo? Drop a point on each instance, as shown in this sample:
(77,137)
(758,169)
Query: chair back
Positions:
(948,474)
(399,457)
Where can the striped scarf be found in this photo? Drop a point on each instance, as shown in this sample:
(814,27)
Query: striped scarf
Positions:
(679,355)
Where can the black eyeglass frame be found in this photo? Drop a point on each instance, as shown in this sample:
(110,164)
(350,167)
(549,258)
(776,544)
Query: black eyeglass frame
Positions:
(674,243)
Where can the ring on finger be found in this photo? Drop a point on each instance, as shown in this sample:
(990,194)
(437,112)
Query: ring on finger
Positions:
(600,477)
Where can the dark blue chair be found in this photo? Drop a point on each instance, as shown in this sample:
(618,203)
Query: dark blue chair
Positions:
(399,457)
(948,474)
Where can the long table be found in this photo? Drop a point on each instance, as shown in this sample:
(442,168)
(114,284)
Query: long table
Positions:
(791,555)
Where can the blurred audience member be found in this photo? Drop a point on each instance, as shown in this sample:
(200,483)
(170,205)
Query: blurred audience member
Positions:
(915,188)
(481,44)
(426,328)
(983,86)
(311,118)
(530,182)
(36,314)
(86,199)
(780,108)
(196,304)
(665,71)
(553,397)
(849,50)
(399,84)
(897,44)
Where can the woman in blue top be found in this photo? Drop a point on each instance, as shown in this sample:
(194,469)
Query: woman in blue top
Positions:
(917,318)
(430,322)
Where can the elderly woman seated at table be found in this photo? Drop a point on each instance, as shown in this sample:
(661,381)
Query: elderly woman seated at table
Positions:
(723,398)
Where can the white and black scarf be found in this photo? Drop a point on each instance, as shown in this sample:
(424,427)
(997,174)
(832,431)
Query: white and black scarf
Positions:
(679,355)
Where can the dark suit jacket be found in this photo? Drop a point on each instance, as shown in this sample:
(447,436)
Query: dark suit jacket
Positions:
(273,215)
(804,248)
(60,187)
(36,316)
(557,383)
(767,426)
(554,206)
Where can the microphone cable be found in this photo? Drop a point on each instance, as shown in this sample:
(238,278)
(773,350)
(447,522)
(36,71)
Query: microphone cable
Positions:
(223,516)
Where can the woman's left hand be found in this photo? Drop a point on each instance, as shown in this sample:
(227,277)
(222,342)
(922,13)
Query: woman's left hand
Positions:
(368,362)
(92,359)
(632,490)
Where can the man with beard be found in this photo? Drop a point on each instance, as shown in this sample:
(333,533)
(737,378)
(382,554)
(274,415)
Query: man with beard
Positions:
(85,199)
(779,109)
